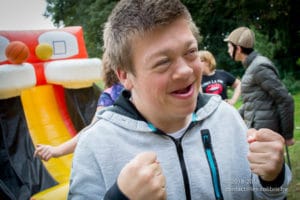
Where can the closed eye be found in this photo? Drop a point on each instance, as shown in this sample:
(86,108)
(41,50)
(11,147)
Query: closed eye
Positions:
(162,65)
(162,62)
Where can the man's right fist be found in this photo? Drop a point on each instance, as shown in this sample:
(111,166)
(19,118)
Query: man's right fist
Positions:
(142,178)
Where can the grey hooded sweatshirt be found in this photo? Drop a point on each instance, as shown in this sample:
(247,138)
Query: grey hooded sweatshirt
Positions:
(208,162)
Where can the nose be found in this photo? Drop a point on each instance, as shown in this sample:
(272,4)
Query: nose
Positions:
(183,70)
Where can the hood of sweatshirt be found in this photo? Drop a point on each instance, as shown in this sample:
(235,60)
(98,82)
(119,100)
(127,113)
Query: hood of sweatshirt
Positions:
(123,113)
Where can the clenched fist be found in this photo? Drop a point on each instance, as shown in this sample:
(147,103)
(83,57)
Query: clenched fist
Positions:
(142,178)
(266,153)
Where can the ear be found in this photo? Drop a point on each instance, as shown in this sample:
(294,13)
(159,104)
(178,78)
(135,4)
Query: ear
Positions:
(239,56)
(124,78)
(238,49)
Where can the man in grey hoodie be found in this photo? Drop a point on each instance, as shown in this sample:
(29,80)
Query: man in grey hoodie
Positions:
(162,139)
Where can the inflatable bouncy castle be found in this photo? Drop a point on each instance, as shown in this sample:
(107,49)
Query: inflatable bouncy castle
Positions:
(47,95)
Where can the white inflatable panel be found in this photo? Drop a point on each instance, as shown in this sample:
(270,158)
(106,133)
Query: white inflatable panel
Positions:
(64,44)
(4,42)
(15,78)
(73,73)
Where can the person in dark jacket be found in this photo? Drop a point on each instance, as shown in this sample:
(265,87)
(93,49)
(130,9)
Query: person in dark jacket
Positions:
(266,101)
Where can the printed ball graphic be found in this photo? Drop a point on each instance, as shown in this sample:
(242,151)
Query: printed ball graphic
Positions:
(44,51)
(17,52)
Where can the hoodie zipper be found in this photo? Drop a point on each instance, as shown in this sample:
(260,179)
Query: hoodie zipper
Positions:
(183,167)
(178,144)
(179,149)
(212,163)
(209,155)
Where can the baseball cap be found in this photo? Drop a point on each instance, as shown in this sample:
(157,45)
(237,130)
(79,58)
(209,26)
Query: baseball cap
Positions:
(241,36)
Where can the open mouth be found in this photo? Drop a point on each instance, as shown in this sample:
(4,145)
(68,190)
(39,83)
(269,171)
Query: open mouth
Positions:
(183,91)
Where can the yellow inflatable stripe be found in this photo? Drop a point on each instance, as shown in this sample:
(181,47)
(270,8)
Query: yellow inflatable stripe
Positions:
(46,126)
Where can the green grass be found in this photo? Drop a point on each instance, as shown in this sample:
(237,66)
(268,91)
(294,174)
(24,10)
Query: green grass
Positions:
(294,151)
(294,189)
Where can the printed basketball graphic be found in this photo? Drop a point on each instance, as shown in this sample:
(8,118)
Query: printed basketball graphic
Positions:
(17,52)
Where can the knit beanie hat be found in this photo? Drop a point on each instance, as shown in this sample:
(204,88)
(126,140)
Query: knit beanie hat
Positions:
(241,36)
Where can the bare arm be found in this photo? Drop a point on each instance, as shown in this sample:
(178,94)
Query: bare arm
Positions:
(236,93)
(94,118)
(46,152)
(68,146)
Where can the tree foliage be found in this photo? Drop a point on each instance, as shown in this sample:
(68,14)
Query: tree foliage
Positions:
(275,23)
(90,14)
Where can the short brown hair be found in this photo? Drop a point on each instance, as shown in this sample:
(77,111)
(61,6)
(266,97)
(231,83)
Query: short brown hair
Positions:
(131,18)
(108,74)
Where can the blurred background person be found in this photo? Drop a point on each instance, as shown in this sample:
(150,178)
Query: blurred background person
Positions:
(266,101)
(217,81)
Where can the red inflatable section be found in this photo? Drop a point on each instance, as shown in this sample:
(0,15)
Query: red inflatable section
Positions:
(66,43)
(60,98)
(47,95)
(40,73)
(32,38)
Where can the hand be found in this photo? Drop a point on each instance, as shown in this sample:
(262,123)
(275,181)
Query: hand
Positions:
(230,101)
(290,142)
(266,153)
(142,178)
(45,152)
